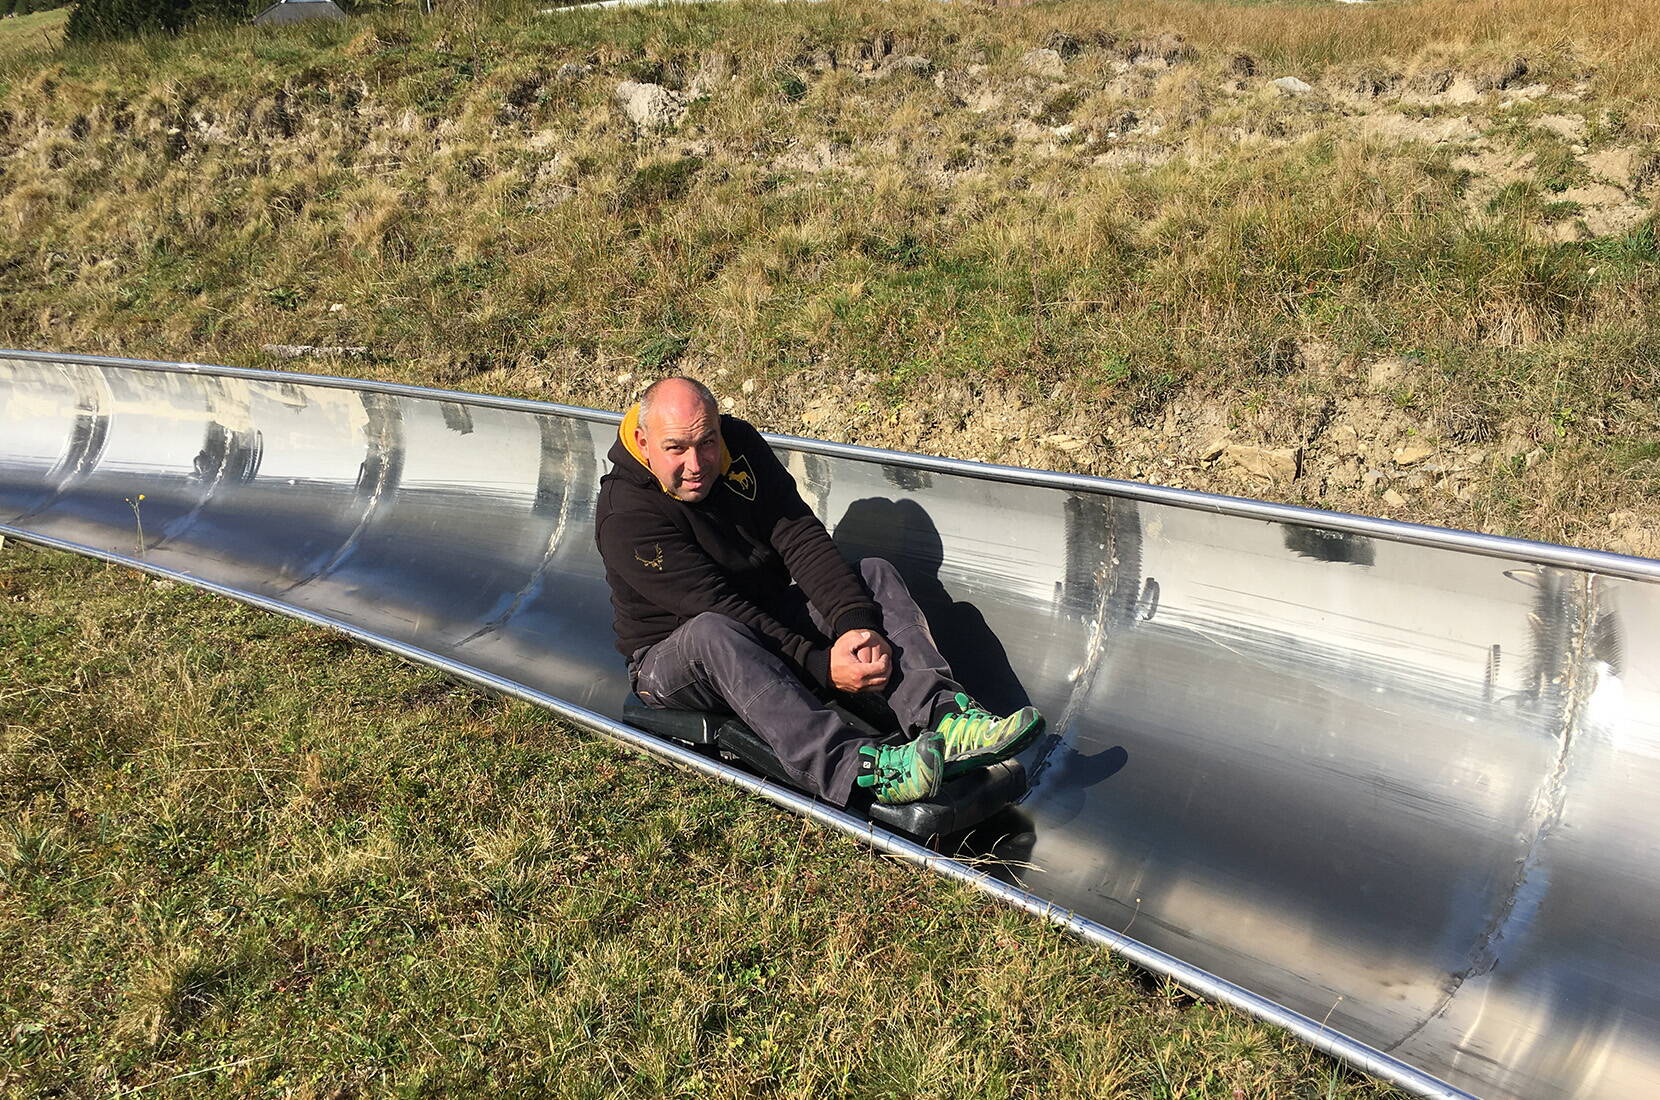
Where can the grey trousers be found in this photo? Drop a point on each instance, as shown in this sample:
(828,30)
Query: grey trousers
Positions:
(713,662)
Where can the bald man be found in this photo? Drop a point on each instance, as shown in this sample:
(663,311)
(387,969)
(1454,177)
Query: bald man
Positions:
(729,595)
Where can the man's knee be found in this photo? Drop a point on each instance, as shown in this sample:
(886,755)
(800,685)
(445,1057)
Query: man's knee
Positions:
(881,578)
(878,571)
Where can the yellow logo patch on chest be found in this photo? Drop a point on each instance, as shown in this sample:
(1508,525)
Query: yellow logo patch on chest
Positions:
(740,478)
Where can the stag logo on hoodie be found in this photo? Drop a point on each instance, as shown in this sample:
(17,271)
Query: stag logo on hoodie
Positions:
(740,479)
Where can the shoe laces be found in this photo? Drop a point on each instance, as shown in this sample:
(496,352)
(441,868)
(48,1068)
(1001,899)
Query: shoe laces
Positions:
(892,762)
(889,765)
(969,721)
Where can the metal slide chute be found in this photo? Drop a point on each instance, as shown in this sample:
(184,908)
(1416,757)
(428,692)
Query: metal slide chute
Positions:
(1391,787)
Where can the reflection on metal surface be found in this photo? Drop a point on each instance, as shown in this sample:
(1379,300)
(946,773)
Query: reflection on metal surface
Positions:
(1388,786)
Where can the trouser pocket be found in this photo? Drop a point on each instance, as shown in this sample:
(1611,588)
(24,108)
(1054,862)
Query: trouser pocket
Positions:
(665,677)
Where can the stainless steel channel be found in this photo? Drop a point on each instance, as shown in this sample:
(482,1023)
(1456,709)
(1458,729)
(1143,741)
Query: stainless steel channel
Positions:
(1389,786)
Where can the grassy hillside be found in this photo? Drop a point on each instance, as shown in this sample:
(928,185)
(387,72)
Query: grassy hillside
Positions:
(243,856)
(33,34)
(1125,253)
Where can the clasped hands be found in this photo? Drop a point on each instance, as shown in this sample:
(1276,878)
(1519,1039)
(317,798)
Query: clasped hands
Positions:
(861,660)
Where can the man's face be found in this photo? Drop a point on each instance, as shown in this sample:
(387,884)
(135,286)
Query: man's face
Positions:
(681,444)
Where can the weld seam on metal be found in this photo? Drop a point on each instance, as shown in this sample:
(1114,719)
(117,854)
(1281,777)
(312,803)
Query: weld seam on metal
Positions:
(538,575)
(210,488)
(1550,802)
(387,459)
(80,463)
(1094,645)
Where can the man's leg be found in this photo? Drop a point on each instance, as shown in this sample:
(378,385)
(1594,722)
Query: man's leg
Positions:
(920,686)
(922,691)
(716,663)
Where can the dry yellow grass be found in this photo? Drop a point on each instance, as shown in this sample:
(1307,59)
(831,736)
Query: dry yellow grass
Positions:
(1622,39)
(1150,251)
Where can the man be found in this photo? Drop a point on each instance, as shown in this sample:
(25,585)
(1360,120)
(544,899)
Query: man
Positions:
(730,595)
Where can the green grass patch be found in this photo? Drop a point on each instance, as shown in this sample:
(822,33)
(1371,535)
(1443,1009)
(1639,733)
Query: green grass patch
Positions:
(32,35)
(1638,250)
(659,182)
(241,854)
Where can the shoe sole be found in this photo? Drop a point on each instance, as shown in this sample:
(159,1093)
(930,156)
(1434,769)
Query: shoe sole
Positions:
(987,757)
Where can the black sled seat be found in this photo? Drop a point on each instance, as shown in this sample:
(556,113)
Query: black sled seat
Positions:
(960,804)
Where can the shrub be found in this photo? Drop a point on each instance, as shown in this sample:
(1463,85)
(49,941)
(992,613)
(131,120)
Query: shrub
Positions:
(92,19)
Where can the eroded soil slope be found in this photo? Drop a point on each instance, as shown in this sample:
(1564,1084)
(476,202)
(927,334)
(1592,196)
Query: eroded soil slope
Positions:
(1389,259)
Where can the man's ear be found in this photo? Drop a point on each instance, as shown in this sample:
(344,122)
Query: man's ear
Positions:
(640,438)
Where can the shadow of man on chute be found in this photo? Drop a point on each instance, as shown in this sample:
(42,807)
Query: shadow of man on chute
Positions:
(902,532)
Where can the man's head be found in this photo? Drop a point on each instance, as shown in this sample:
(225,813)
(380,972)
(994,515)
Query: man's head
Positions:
(679,435)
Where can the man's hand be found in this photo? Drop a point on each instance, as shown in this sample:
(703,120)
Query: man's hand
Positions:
(860,661)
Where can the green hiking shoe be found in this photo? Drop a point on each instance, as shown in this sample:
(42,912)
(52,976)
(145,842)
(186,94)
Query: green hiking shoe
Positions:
(975,738)
(903,773)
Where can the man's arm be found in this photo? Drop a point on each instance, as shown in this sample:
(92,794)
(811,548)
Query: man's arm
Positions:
(809,553)
(669,568)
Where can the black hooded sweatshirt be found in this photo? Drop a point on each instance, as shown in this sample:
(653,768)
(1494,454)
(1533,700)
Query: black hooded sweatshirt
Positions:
(735,552)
